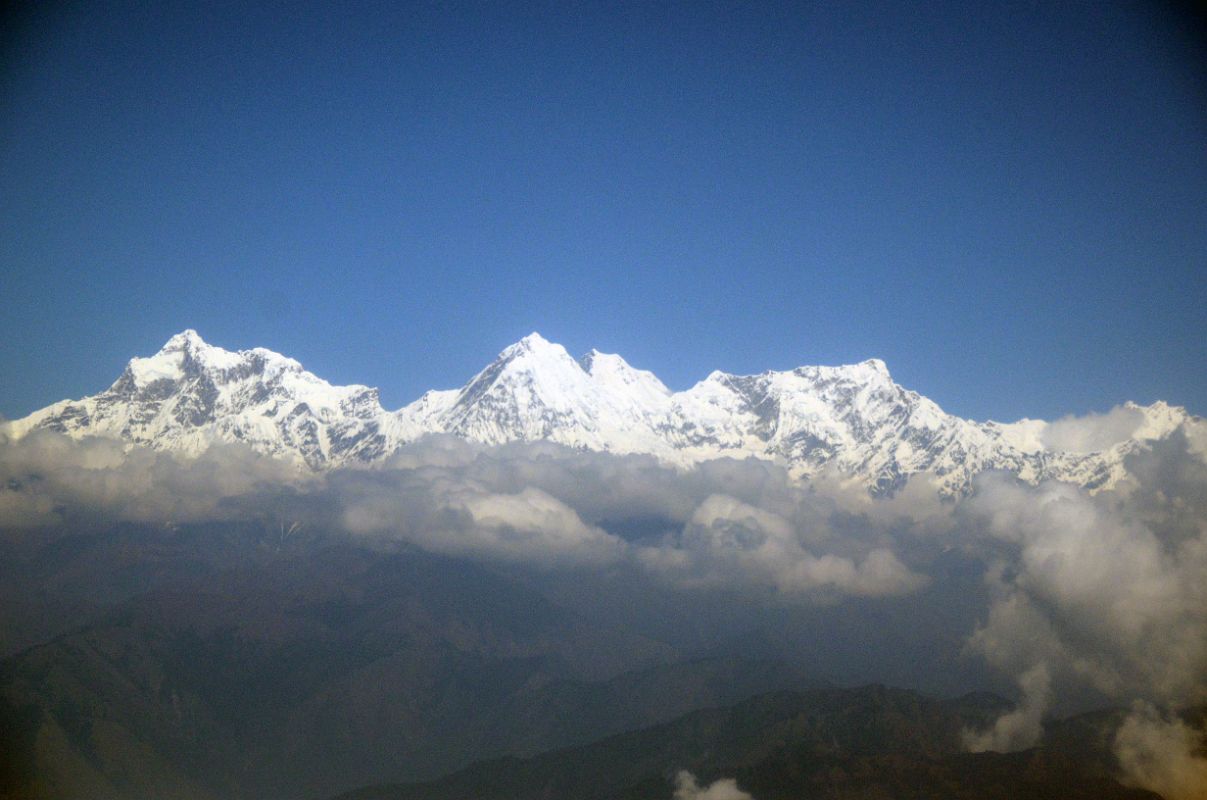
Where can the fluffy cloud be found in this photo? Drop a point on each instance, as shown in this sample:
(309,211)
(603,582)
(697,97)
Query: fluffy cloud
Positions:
(1023,726)
(529,526)
(738,524)
(1107,592)
(441,511)
(1093,432)
(687,788)
(546,504)
(46,478)
(730,543)
(1195,432)
(1162,753)
(1096,594)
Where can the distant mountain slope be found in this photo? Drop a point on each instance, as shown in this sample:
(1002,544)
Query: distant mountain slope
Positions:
(219,661)
(827,744)
(851,418)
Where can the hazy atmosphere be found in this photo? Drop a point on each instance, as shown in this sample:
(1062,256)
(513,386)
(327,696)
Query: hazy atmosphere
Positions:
(864,456)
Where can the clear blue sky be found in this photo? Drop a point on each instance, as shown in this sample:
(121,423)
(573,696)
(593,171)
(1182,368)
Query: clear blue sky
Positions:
(1006,202)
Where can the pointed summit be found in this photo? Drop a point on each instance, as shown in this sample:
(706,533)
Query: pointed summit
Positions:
(534,344)
(542,371)
(184,352)
(596,362)
(186,339)
(876,365)
(534,390)
(615,375)
(534,339)
(191,394)
(168,364)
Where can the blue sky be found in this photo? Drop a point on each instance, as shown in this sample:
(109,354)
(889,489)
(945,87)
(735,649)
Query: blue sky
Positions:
(1007,204)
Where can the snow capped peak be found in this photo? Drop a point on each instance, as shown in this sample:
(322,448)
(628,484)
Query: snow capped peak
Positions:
(530,383)
(853,418)
(876,365)
(168,363)
(535,357)
(532,343)
(872,371)
(186,339)
(273,361)
(187,355)
(613,372)
(190,394)
(535,390)
(534,339)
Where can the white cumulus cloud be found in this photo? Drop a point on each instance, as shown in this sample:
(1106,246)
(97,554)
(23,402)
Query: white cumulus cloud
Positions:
(688,788)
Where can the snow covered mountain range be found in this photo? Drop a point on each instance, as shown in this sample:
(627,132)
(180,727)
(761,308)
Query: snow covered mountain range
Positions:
(853,418)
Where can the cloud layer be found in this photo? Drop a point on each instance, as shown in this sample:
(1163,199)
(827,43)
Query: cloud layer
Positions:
(740,525)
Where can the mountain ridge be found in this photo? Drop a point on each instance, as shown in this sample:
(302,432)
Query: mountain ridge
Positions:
(851,419)
(835,743)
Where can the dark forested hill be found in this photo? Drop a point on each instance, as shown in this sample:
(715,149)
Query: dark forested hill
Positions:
(870,742)
(213,663)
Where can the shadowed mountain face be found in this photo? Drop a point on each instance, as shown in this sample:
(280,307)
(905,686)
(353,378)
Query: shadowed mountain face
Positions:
(227,662)
(870,742)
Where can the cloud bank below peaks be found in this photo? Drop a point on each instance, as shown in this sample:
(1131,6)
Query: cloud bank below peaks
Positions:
(741,525)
